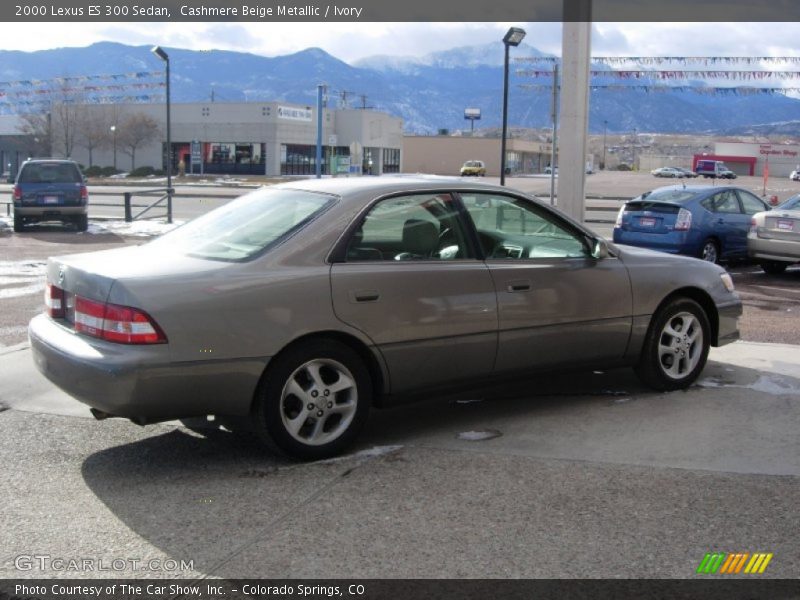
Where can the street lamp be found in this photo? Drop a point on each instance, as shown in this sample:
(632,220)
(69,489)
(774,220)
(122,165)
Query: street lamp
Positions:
(159,52)
(513,37)
(113,129)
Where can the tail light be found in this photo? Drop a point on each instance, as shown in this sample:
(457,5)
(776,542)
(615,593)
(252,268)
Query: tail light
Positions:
(84,194)
(684,220)
(17,194)
(753,225)
(54,301)
(110,322)
(619,217)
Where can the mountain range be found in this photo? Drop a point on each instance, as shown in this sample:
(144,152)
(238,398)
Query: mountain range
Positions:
(429,93)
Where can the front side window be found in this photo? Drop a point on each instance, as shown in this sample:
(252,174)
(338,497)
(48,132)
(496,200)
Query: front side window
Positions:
(247,226)
(723,202)
(413,227)
(512,228)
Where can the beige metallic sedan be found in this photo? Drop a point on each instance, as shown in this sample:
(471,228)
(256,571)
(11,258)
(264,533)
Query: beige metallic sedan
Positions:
(300,306)
(774,237)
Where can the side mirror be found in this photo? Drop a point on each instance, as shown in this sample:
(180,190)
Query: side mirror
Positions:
(600,249)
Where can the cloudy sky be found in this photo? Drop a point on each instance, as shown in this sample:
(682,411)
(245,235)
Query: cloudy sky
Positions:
(351,41)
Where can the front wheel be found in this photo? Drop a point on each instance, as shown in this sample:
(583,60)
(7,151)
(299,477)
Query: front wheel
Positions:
(676,347)
(314,400)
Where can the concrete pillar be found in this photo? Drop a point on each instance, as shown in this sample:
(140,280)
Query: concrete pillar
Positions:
(574,117)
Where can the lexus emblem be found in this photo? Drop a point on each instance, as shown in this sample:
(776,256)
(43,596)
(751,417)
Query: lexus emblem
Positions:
(60,275)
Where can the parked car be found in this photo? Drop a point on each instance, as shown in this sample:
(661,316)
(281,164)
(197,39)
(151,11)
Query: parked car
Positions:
(50,190)
(706,222)
(475,168)
(794,175)
(667,172)
(727,174)
(548,170)
(687,172)
(297,307)
(774,236)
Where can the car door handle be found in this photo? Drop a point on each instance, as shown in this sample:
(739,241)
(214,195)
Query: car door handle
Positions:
(364,296)
(522,285)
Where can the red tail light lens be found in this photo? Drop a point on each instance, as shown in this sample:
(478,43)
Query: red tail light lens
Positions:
(684,220)
(54,301)
(84,194)
(17,194)
(120,324)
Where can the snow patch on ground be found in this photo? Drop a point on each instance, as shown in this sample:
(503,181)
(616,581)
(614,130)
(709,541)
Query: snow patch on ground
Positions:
(479,435)
(766,384)
(22,277)
(134,229)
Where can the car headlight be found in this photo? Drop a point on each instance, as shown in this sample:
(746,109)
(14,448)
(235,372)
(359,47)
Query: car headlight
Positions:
(727,281)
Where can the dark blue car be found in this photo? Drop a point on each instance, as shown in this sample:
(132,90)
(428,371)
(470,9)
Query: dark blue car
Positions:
(706,222)
(50,190)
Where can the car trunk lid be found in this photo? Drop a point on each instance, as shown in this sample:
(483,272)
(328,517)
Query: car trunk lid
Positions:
(781,226)
(650,217)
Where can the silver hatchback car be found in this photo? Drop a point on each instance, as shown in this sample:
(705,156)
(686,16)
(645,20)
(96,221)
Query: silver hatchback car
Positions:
(300,306)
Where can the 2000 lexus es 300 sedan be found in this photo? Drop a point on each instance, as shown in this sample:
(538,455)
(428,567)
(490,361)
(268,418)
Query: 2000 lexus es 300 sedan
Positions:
(301,305)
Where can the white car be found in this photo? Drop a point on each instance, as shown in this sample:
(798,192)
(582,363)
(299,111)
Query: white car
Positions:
(794,175)
(667,172)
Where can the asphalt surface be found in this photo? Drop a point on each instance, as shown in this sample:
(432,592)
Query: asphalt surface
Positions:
(580,475)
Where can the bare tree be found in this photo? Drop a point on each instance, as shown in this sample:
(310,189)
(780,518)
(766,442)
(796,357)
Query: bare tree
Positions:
(135,131)
(65,107)
(93,128)
(38,127)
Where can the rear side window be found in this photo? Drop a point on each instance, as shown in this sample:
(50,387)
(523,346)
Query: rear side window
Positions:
(54,172)
(722,202)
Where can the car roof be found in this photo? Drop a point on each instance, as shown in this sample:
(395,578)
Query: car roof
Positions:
(698,190)
(382,185)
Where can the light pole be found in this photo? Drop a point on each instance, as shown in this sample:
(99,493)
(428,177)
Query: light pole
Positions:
(159,52)
(605,130)
(114,134)
(513,37)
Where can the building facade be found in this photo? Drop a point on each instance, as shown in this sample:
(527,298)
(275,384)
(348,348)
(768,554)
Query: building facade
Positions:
(444,155)
(744,158)
(243,138)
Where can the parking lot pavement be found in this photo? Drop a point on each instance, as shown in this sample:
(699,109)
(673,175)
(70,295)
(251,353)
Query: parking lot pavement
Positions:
(582,475)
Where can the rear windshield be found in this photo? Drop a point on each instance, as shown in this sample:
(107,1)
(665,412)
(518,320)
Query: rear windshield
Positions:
(673,195)
(792,203)
(473,163)
(246,226)
(50,173)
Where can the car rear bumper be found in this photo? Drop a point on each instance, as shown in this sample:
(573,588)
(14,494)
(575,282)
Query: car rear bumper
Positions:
(54,211)
(140,382)
(673,242)
(780,250)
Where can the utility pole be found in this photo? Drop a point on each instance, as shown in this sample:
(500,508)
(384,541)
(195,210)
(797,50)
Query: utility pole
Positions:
(553,151)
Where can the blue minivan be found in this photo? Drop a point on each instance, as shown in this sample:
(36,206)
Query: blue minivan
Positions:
(706,222)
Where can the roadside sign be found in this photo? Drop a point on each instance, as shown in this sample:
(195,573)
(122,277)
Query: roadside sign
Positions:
(197,157)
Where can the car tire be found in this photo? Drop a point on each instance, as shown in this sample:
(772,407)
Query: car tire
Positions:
(313,401)
(709,251)
(82,222)
(773,267)
(676,346)
(18,223)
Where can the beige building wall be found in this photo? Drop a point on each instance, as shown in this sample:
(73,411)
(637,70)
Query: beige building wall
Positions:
(444,155)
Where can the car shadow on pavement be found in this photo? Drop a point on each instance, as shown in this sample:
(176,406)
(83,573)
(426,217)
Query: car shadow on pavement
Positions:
(213,498)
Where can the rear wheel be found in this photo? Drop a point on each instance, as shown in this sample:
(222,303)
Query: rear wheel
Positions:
(774,267)
(82,222)
(676,347)
(18,223)
(710,251)
(314,400)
